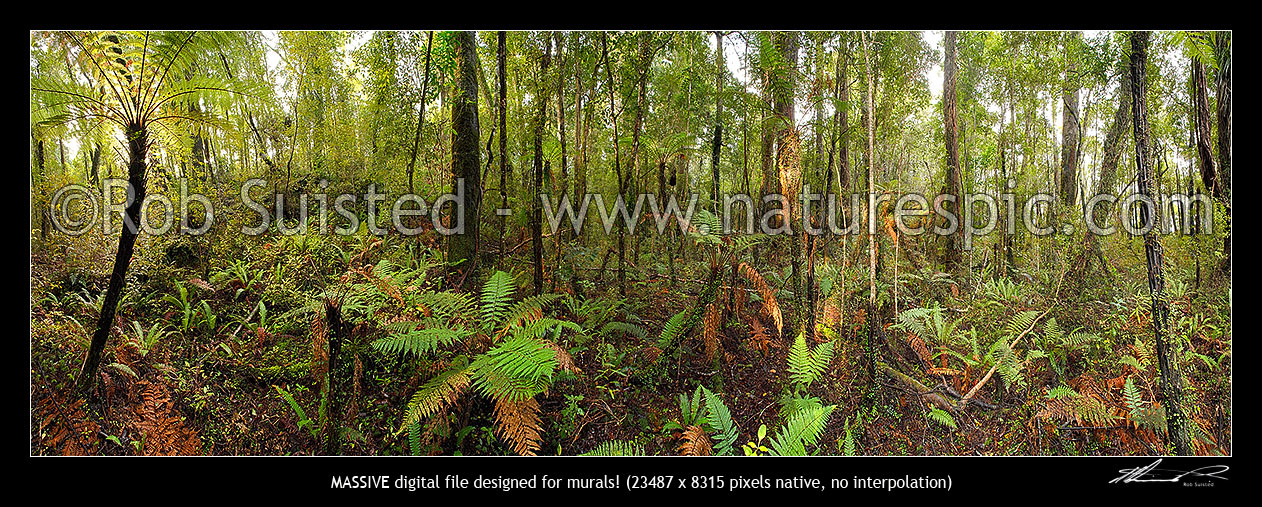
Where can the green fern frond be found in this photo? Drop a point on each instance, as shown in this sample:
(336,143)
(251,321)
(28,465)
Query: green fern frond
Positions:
(437,394)
(805,365)
(719,419)
(616,448)
(419,341)
(625,327)
(497,294)
(801,431)
(1020,322)
(674,327)
(514,370)
(1059,392)
(942,417)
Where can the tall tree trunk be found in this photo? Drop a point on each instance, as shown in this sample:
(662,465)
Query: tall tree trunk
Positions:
(420,117)
(949,119)
(562,184)
(644,65)
(1202,121)
(1222,52)
(843,123)
(1070,125)
(870,342)
(536,209)
(462,248)
(501,118)
(718,119)
(789,161)
(770,178)
(1171,376)
(137,151)
(617,155)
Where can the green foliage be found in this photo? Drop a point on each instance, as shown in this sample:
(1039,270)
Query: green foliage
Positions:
(806,365)
(303,420)
(928,323)
(707,410)
(616,448)
(942,417)
(801,431)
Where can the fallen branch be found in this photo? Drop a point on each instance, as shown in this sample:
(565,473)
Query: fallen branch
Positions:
(925,393)
(980,383)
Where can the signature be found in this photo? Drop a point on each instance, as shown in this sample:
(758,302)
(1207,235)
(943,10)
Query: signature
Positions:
(1151,473)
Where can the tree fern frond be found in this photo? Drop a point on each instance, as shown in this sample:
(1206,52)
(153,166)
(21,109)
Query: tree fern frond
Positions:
(516,369)
(419,341)
(517,422)
(437,394)
(497,294)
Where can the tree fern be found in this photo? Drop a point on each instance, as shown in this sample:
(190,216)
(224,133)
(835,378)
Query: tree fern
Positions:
(516,369)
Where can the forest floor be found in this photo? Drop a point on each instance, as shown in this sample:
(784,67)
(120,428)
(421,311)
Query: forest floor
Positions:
(216,390)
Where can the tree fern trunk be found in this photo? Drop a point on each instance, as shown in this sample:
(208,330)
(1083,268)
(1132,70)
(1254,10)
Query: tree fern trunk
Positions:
(1171,376)
(138,149)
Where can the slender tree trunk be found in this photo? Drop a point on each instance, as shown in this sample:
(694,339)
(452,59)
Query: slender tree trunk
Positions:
(420,117)
(718,119)
(870,342)
(462,248)
(501,116)
(843,123)
(563,183)
(955,247)
(644,65)
(1070,124)
(617,159)
(541,119)
(137,151)
(1171,376)
(1222,52)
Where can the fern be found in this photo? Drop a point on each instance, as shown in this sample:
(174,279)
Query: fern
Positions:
(1060,392)
(674,327)
(616,448)
(440,392)
(942,417)
(497,293)
(801,431)
(625,327)
(516,369)
(805,365)
(719,419)
(418,342)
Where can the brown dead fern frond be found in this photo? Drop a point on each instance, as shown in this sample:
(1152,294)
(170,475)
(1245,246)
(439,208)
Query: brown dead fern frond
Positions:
(518,424)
